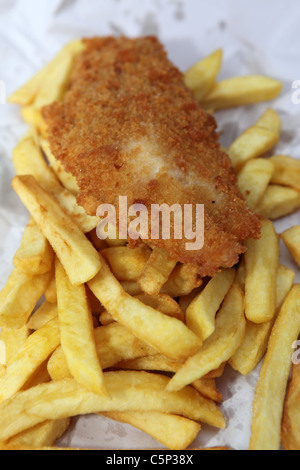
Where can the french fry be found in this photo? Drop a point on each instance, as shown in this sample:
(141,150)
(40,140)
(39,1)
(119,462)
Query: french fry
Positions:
(95,305)
(220,346)
(53,86)
(28,93)
(169,336)
(201,77)
(291,238)
(65,237)
(174,432)
(131,287)
(114,343)
(32,354)
(255,141)
(105,318)
(164,304)
(50,292)
(271,121)
(286,171)
(33,117)
(182,281)
(2,353)
(256,338)
(67,179)
(278,201)
(240,277)
(241,91)
(41,435)
(290,432)
(13,340)
(113,237)
(155,362)
(127,392)
(77,333)
(262,260)
(156,271)
(96,241)
(254,179)
(35,255)
(19,297)
(207,387)
(39,376)
(28,160)
(201,313)
(127,264)
(268,401)
(46,312)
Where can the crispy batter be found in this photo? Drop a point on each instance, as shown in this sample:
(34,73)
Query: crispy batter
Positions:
(129,126)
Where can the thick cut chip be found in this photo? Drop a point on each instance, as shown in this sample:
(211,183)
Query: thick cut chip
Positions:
(28,160)
(220,346)
(201,77)
(241,91)
(19,297)
(35,255)
(290,429)
(41,435)
(77,332)
(257,140)
(38,85)
(156,272)
(286,171)
(254,179)
(114,343)
(201,313)
(53,85)
(36,349)
(169,336)
(67,180)
(256,338)
(127,264)
(269,399)
(291,238)
(13,340)
(76,253)
(50,293)
(262,260)
(174,432)
(128,391)
(207,387)
(164,304)
(155,363)
(278,201)
(182,281)
(46,312)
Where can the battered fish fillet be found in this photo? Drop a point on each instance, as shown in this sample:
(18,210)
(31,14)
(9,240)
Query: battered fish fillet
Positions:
(128,126)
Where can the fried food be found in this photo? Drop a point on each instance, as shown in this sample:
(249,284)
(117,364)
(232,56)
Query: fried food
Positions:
(129,126)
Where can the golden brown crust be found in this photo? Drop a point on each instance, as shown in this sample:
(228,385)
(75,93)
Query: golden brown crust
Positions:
(130,127)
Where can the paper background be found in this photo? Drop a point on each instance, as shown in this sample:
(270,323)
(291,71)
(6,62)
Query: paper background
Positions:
(258,37)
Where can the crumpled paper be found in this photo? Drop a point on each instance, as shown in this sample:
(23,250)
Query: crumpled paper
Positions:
(257,38)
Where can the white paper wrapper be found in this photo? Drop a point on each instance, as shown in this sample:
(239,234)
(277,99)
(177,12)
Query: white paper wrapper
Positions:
(257,38)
